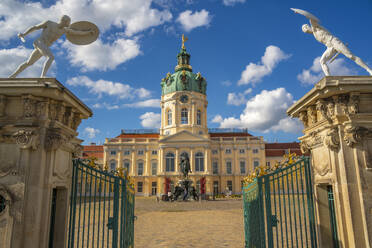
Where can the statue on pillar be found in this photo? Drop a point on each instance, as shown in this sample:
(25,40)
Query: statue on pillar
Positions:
(185,165)
(333,44)
(78,33)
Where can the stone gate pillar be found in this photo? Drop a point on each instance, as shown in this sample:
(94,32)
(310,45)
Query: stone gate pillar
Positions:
(38,122)
(337,118)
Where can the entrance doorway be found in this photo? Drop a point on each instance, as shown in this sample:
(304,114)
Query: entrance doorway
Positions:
(153,188)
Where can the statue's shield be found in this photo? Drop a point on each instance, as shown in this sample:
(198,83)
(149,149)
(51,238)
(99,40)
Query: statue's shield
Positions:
(85,39)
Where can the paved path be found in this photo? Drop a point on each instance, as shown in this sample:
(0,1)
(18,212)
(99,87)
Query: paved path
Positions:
(188,224)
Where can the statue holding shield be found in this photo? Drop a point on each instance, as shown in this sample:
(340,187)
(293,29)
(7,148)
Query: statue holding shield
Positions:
(79,33)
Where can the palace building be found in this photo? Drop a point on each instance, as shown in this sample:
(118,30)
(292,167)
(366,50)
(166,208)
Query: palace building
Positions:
(219,158)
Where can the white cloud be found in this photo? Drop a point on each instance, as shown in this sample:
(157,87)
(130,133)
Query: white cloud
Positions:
(191,20)
(102,56)
(238,98)
(217,119)
(315,72)
(254,73)
(105,105)
(265,112)
(99,87)
(150,103)
(91,132)
(150,120)
(10,59)
(134,16)
(232,2)
(226,83)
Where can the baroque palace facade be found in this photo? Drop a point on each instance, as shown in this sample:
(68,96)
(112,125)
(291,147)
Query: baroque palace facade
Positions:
(219,158)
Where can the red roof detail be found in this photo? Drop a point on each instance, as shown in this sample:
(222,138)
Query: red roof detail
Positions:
(293,145)
(93,148)
(280,153)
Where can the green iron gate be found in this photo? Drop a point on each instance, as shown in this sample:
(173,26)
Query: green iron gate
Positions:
(102,208)
(278,206)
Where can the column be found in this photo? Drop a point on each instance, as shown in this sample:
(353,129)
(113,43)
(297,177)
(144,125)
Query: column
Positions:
(147,162)
(177,160)
(207,160)
(161,161)
(120,162)
(133,162)
(192,165)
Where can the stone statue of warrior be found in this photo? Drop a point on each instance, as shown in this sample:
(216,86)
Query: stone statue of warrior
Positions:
(78,33)
(185,165)
(333,44)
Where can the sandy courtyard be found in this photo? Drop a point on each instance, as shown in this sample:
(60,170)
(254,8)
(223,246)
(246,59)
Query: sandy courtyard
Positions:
(188,224)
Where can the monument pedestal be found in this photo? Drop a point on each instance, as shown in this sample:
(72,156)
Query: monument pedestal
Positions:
(337,118)
(38,122)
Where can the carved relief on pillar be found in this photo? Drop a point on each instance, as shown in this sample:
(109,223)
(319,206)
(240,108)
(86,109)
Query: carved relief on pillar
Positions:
(78,151)
(321,163)
(76,120)
(67,117)
(332,140)
(353,104)
(26,139)
(353,135)
(311,111)
(42,109)
(53,139)
(2,105)
(322,108)
(13,195)
(29,108)
(60,111)
(304,146)
(303,118)
(52,110)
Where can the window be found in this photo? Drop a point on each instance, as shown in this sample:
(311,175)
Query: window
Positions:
(112,165)
(215,167)
(268,164)
(154,168)
(153,188)
(199,162)
(140,152)
(198,117)
(154,152)
(241,151)
(140,168)
(229,185)
(256,163)
(228,151)
(169,162)
(184,116)
(242,167)
(169,117)
(214,151)
(255,150)
(126,152)
(112,152)
(139,187)
(228,167)
(126,164)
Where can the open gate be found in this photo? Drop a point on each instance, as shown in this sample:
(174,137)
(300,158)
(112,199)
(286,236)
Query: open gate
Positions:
(101,208)
(278,206)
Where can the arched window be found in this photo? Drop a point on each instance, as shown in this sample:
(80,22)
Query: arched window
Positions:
(112,165)
(198,117)
(169,117)
(169,162)
(140,168)
(199,161)
(184,116)
(126,164)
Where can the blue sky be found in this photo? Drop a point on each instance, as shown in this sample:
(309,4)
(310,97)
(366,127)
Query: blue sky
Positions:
(255,57)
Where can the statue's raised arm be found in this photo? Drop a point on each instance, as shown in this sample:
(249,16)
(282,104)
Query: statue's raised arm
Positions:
(334,45)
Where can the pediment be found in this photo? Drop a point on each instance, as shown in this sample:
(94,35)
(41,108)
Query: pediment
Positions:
(183,136)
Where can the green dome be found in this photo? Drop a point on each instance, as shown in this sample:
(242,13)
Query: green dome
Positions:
(183,79)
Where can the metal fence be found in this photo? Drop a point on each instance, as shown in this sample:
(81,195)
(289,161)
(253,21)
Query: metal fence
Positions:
(101,208)
(279,209)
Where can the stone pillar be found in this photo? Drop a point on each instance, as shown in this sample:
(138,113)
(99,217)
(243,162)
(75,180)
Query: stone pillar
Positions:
(337,118)
(177,161)
(38,122)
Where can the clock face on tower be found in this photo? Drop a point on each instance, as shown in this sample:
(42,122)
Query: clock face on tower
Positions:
(184,98)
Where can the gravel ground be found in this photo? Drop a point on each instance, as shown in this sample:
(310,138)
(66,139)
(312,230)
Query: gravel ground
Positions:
(188,224)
